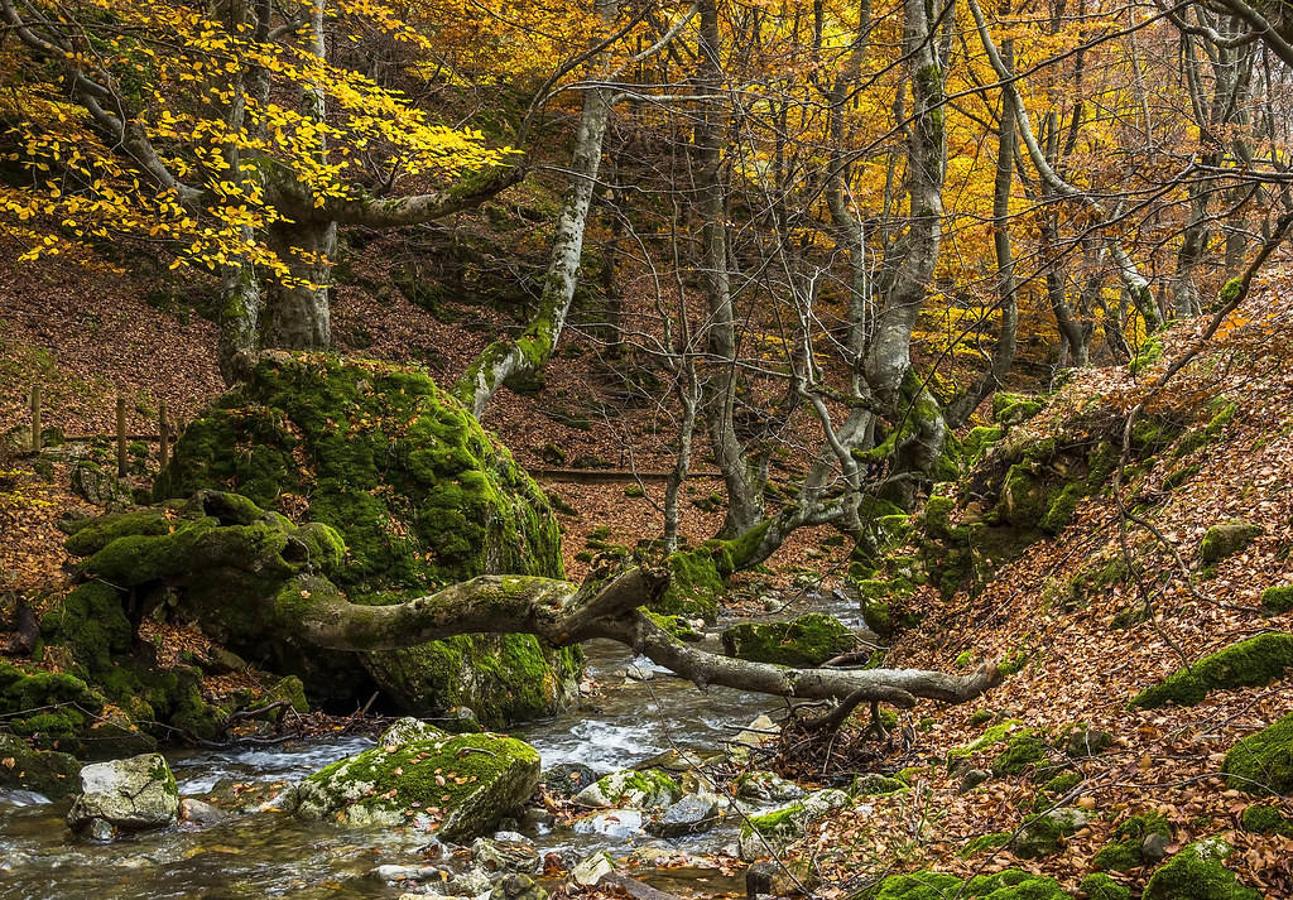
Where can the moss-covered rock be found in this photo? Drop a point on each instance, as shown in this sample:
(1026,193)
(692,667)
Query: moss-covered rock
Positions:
(1024,749)
(1198,872)
(1278,598)
(1262,763)
(1081,740)
(1012,884)
(1249,663)
(1227,539)
(1125,849)
(456,785)
(1044,834)
(1099,886)
(52,709)
(767,833)
(1014,409)
(420,494)
(1262,818)
(805,641)
(632,788)
(47,772)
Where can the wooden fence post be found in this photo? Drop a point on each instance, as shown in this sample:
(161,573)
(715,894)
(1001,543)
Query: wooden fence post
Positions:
(164,433)
(35,418)
(121,436)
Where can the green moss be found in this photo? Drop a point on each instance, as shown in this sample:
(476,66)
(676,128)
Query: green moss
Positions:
(1265,819)
(465,782)
(98,533)
(1081,740)
(806,641)
(1012,884)
(1123,851)
(1044,834)
(996,734)
(981,717)
(695,585)
(1056,789)
(409,493)
(1278,598)
(1249,663)
(1263,762)
(1226,539)
(46,772)
(1197,872)
(1099,886)
(993,841)
(1024,749)
(979,440)
(1178,477)
(675,626)
(53,709)
(874,784)
(1014,409)
(1149,353)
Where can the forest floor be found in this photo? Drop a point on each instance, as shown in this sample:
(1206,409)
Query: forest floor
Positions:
(88,337)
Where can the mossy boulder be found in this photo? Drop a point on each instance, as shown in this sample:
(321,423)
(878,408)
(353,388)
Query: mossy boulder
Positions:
(1014,409)
(1099,886)
(420,494)
(1198,872)
(133,794)
(458,786)
(1012,884)
(631,788)
(1261,818)
(1045,833)
(1262,763)
(1253,662)
(46,772)
(51,709)
(695,585)
(1126,848)
(768,832)
(1227,539)
(805,641)
(1278,598)
(1024,749)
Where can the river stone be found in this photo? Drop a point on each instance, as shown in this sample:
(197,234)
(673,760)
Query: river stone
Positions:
(458,785)
(507,851)
(590,871)
(692,814)
(767,787)
(771,831)
(45,772)
(517,887)
(568,779)
(645,789)
(197,815)
(129,794)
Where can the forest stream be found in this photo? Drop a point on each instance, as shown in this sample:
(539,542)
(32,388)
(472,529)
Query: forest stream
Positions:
(266,853)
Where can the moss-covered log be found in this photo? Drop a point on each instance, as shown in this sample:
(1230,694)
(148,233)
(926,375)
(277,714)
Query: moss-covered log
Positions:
(287,599)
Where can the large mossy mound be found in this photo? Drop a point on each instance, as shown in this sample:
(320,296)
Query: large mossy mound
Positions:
(1197,872)
(806,641)
(1250,663)
(1262,763)
(421,495)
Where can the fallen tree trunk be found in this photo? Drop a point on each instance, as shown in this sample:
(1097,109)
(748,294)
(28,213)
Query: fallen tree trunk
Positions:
(261,581)
(564,613)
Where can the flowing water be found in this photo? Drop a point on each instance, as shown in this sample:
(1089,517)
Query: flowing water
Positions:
(264,853)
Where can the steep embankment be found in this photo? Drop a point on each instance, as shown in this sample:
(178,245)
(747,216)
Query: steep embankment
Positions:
(1090,628)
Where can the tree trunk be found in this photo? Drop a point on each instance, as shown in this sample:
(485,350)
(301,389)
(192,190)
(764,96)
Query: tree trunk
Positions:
(742,476)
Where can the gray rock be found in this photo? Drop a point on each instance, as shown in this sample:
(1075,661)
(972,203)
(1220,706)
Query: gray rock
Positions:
(591,870)
(197,814)
(132,794)
(644,789)
(774,829)
(1045,834)
(506,852)
(972,778)
(767,787)
(692,814)
(517,887)
(568,779)
(1153,849)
